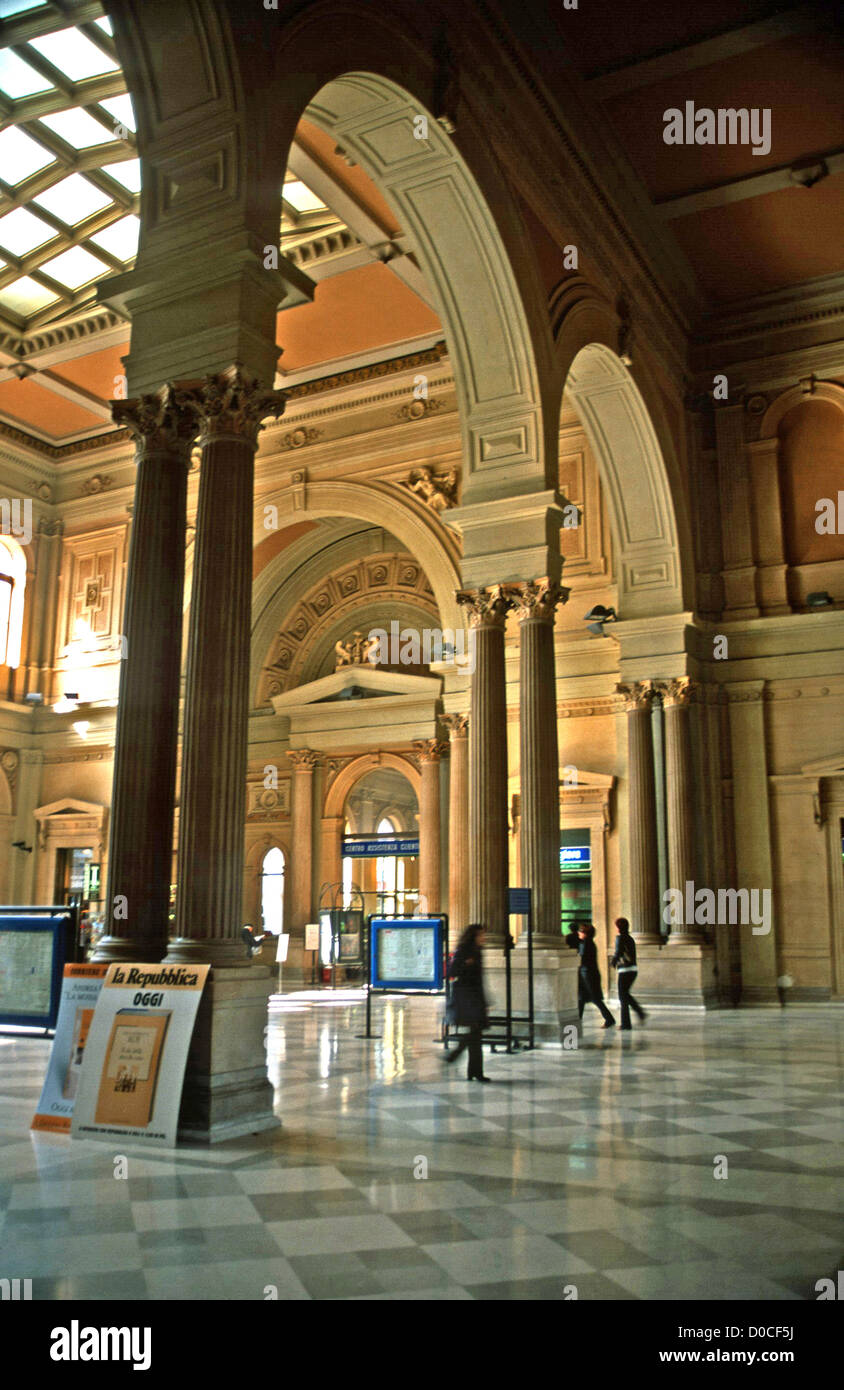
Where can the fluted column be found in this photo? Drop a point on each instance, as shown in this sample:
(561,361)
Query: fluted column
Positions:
(163,426)
(430,752)
(644,905)
(680,796)
(304,761)
(458,825)
(229,409)
(488,826)
(539,756)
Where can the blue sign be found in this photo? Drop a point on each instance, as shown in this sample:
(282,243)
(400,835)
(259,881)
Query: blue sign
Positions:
(575,857)
(379,848)
(35,946)
(406,953)
(518,901)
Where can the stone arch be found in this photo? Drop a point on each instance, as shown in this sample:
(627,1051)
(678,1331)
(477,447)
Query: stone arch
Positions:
(623,418)
(381,504)
(347,777)
(778,409)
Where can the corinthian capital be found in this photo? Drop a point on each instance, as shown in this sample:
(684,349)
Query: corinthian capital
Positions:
(163,422)
(537,598)
(429,750)
(457,725)
(231,404)
(637,696)
(303,759)
(487,607)
(676,693)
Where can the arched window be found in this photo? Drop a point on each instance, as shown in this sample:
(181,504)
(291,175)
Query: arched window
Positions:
(387,874)
(12,585)
(272,891)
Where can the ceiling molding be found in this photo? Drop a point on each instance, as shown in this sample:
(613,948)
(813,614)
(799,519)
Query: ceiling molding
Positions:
(737,190)
(803,19)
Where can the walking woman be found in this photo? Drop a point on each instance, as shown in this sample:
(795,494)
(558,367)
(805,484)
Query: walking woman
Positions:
(468,1001)
(625,962)
(589,989)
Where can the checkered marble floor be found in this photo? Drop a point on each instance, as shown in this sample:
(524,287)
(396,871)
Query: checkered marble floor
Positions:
(593,1168)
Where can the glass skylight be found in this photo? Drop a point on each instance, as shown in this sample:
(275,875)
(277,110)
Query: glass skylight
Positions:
(105,24)
(74,54)
(21,156)
(21,231)
(78,128)
(10,7)
(74,268)
(26,296)
(18,79)
(300,197)
(72,200)
(121,238)
(127,173)
(121,109)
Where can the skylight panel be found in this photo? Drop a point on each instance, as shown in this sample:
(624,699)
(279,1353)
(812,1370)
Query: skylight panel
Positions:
(18,79)
(10,7)
(121,109)
(127,173)
(73,199)
(121,238)
(21,232)
(26,296)
(20,156)
(105,24)
(78,128)
(74,54)
(300,197)
(74,268)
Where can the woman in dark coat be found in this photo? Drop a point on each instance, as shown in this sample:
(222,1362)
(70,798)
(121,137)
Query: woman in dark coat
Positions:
(624,960)
(589,989)
(468,1002)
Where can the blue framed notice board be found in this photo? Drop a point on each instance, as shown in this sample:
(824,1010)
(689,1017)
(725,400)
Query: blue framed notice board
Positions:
(407,953)
(35,945)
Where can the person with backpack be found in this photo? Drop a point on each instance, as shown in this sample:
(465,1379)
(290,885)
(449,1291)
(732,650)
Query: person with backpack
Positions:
(624,961)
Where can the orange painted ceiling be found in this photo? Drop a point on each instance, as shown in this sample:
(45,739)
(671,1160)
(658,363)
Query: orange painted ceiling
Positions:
(31,406)
(363,309)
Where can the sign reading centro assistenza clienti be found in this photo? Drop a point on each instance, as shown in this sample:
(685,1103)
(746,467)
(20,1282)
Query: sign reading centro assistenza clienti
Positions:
(136,1053)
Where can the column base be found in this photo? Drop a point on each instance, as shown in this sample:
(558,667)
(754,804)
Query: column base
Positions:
(554,989)
(682,974)
(139,950)
(227,1091)
(760,997)
(223,953)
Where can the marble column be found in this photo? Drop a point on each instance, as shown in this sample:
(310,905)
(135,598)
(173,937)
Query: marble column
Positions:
(643,908)
(163,426)
(536,602)
(488,823)
(229,409)
(458,825)
(680,797)
(304,761)
(430,751)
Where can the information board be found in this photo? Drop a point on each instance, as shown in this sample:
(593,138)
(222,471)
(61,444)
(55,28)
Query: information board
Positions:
(136,1053)
(35,945)
(406,953)
(80,990)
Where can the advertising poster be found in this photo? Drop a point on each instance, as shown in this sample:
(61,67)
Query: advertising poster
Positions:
(81,987)
(136,1053)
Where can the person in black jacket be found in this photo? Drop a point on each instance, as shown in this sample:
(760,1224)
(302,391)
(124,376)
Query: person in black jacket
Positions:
(468,1002)
(625,962)
(589,989)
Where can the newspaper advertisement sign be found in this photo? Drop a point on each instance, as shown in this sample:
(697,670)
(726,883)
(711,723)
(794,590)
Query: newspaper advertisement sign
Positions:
(136,1054)
(81,985)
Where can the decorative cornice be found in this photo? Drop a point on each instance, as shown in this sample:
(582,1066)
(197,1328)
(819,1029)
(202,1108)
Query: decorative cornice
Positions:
(369,373)
(55,452)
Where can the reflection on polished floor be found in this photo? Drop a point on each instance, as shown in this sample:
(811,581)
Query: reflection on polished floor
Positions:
(591,1168)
